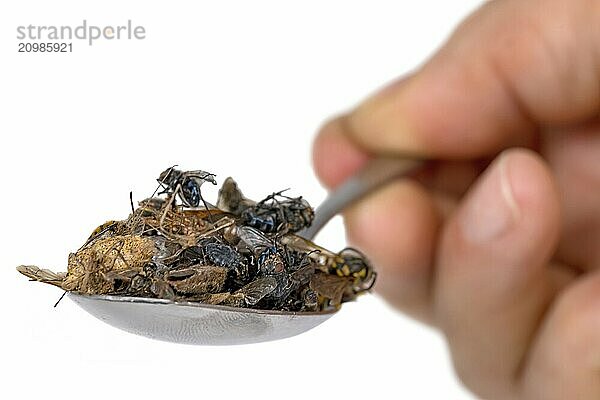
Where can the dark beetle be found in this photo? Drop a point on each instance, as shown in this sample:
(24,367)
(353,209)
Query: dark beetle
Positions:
(223,255)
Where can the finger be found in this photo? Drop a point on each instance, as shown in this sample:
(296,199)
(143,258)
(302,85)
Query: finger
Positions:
(336,157)
(565,359)
(452,178)
(512,67)
(491,285)
(396,227)
(573,154)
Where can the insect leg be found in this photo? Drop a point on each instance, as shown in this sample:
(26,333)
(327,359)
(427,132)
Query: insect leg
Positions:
(168,205)
(206,206)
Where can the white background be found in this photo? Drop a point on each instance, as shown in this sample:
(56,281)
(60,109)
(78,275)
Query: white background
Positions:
(235,87)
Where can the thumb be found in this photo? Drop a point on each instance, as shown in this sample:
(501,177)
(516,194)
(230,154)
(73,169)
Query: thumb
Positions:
(509,69)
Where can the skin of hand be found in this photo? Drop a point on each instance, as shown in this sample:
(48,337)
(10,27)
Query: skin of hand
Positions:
(497,243)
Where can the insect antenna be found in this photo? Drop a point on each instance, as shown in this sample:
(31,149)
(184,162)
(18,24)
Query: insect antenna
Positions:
(306,257)
(61,297)
(131,201)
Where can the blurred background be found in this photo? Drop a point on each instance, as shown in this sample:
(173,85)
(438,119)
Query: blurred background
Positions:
(233,87)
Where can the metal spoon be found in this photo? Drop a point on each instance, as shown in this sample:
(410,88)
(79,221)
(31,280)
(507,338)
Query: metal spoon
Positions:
(203,324)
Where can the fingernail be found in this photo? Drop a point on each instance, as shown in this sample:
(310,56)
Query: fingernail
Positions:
(491,209)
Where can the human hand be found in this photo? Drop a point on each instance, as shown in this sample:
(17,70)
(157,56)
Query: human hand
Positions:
(502,257)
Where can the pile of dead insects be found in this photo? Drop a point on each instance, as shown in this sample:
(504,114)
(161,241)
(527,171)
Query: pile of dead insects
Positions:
(239,253)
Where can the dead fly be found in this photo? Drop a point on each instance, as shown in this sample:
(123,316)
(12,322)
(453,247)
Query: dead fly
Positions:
(241,253)
(279,214)
(186,185)
(275,214)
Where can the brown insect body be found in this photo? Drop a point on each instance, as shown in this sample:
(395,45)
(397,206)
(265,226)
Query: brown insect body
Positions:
(87,269)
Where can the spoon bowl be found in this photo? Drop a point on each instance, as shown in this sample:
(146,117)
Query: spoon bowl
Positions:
(196,323)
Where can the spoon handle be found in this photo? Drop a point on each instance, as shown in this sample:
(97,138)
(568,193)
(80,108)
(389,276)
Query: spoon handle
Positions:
(376,173)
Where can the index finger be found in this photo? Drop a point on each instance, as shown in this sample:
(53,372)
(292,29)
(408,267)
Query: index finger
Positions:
(508,70)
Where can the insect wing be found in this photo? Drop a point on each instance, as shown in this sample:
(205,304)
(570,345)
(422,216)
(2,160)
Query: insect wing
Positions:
(321,256)
(330,286)
(256,290)
(202,176)
(42,275)
(302,245)
(197,280)
(255,240)
(303,275)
